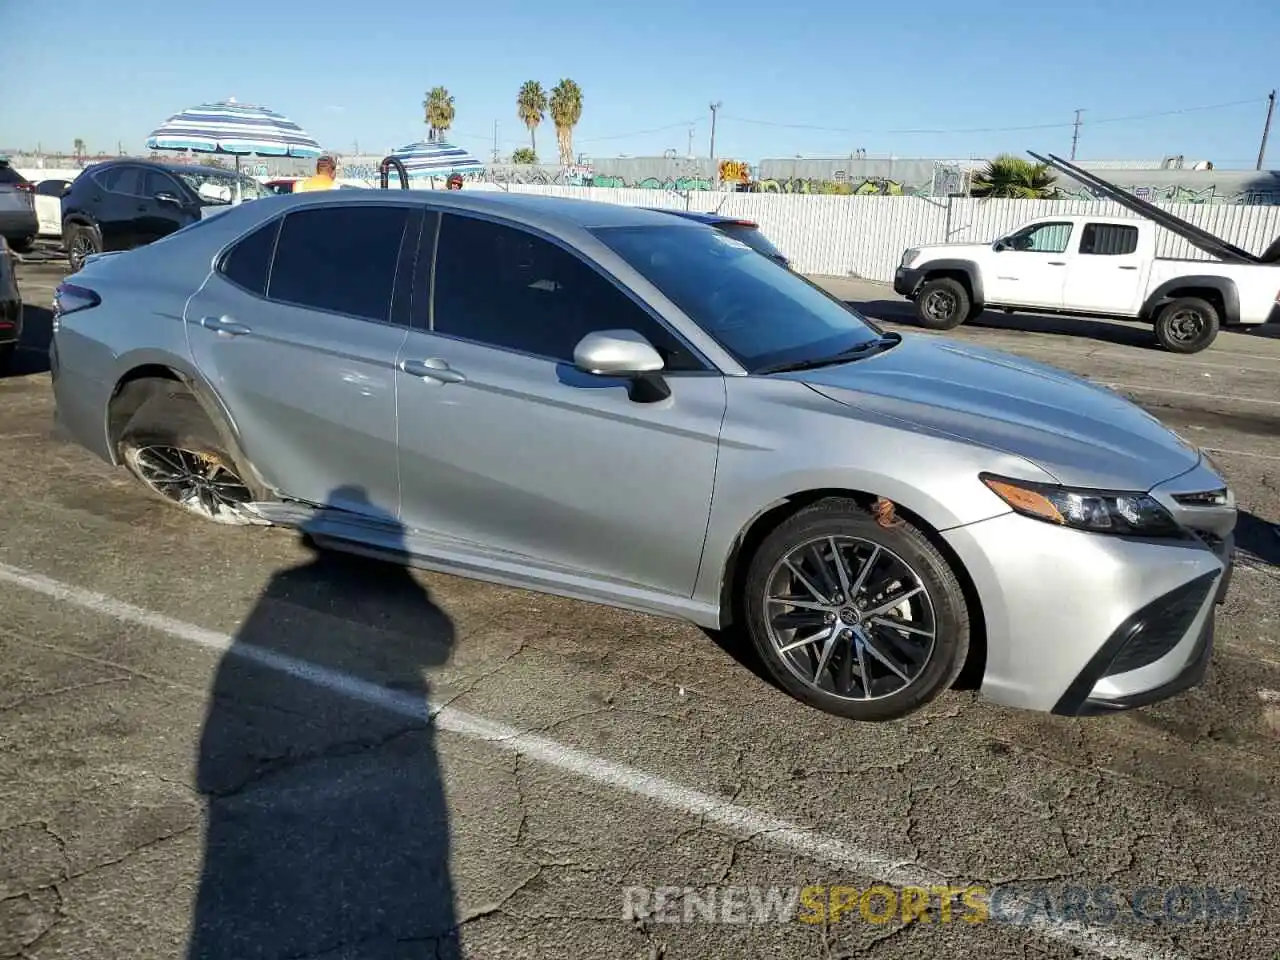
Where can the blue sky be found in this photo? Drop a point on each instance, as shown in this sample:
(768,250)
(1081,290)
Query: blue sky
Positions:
(355,72)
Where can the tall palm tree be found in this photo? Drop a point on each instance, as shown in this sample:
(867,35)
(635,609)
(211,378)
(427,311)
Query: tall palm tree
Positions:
(1010,177)
(531,108)
(438,112)
(566,111)
(79,147)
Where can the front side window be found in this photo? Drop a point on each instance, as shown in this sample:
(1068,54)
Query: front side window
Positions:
(52,188)
(507,288)
(760,312)
(341,259)
(157,182)
(1042,238)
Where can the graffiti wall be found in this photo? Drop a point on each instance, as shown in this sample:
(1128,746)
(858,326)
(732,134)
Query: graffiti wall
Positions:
(1188,186)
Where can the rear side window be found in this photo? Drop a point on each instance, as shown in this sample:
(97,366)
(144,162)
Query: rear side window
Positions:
(1108,239)
(249,261)
(341,259)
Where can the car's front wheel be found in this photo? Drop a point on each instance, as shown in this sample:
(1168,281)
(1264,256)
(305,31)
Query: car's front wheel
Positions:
(858,615)
(942,304)
(80,241)
(171,446)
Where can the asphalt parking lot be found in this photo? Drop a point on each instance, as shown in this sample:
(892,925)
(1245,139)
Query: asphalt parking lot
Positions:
(213,744)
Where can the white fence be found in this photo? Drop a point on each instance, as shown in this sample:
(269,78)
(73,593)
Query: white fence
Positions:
(865,236)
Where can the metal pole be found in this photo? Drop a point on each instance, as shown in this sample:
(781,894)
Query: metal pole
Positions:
(495,141)
(1266,129)
(714,168)
(1075,134)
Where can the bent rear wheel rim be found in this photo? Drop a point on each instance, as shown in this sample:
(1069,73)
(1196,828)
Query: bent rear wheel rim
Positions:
(194,481)
(850,618)
(1187,326)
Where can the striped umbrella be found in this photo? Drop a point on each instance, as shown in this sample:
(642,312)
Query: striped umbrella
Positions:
(234,128)
(435,158)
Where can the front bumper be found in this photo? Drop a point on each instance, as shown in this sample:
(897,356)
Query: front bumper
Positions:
(1080,623)
(906,281)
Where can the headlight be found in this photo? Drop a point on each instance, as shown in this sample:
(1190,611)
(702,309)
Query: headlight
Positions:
(1099,511)
(909,257)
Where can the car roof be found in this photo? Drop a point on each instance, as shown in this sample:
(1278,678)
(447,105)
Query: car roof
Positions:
(159,165)
(532,209)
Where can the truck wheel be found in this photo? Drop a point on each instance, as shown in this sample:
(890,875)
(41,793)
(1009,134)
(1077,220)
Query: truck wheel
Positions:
(1186,325)
(942,304)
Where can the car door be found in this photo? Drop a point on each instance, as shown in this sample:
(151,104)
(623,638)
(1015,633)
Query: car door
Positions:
(113,204)
(1030,269)
(298,330)
(49,206)
(505,443)
(1105,275)
(163,207)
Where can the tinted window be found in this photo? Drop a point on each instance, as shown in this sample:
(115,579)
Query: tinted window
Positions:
(129,182)
(248,262)
(753,238)
(1108,239)
(156,181)
(10,175)
(340,258)
(757,309)
(52,188)
(507,288)
(1042,238)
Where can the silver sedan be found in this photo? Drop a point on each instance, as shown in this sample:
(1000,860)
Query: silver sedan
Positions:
(635,409)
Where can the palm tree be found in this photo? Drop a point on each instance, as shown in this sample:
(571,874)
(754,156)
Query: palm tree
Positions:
(79,147)
(438,112)
(523,155)
(1010,177)
(566,111)
(531,108)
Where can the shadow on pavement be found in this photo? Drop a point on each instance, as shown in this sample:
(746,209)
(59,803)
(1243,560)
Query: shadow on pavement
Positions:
(1128,335)
(327,824)
(37,333)
(1258,539)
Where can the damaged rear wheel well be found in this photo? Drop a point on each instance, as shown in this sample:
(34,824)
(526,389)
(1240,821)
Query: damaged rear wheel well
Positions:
(733,583)
(134,389)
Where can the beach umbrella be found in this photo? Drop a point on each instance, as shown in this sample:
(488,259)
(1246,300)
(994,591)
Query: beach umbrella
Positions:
(230,127)
(435,158)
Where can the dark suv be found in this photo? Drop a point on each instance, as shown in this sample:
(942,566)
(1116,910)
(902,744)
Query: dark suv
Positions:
(18,223)
(122,204)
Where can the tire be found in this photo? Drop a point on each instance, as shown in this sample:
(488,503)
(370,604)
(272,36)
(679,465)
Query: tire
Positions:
(899,548)
(170,434)
(942,304)
(79,241)
(1187,325)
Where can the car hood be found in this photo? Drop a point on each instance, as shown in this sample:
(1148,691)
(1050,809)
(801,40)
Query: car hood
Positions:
(937,251)
(1080,433)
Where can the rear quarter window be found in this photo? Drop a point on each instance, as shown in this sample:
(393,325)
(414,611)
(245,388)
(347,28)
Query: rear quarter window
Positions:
(753,238)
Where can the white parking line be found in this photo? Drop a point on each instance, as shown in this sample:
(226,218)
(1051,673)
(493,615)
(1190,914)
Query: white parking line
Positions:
(743,821)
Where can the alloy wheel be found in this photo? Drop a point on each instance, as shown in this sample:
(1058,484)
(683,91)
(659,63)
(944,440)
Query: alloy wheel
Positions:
(1186,326)
(940,305)
(81,247)
(850,618)
(194,481)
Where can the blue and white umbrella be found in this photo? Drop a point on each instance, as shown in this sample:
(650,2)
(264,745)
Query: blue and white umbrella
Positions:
(435,158)
(233,128)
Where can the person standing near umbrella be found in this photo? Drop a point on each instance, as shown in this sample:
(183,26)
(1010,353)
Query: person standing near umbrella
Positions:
(325,178)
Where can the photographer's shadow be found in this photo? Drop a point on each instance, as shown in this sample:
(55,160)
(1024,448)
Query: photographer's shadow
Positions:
(327,826)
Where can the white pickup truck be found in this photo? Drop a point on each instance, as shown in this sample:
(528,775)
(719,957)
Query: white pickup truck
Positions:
(1096,266)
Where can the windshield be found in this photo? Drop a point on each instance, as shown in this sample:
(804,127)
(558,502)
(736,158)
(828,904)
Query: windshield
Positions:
(755,308)
(753,237)
(220,188)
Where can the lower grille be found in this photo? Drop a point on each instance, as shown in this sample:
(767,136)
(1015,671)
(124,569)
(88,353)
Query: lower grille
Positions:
(1160,627)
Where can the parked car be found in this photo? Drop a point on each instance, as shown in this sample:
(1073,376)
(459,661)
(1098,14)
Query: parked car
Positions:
(281,185)
(18,223)
(613,404)
(10,307)
(123,204)
(1097,266)
(748,231)
(49,194)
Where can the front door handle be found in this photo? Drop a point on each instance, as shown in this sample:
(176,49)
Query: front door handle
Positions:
(1057,263)
(432,369)
(1128,268)
(224,325)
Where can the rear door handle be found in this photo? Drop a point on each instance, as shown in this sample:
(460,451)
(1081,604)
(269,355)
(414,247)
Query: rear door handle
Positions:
(1057,263)
(432,369)
(1128,268)
(225,325)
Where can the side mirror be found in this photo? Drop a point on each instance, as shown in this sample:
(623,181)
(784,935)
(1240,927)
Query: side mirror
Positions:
(623,353)
(165,196)
(1001,244)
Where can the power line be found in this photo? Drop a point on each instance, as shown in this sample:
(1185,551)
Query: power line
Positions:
(1032,126)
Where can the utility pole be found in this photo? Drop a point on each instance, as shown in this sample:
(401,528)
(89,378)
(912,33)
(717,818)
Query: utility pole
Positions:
(715,170)
(495,141)
(1075,134)
(689,152)
(1266,129)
